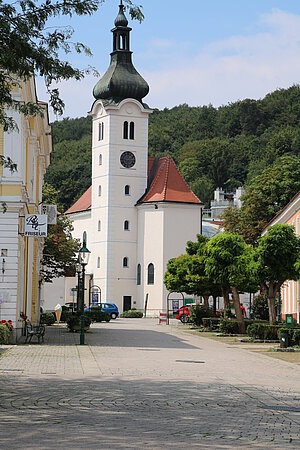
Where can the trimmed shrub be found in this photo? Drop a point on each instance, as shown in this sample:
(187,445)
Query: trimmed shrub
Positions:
(4,333)
(74,321)
(214,321)
(260,307)
(198,312)
(97,315)
(47,318)
(263,331)
(296,336)
(65,314)
(132,314)
(228,326)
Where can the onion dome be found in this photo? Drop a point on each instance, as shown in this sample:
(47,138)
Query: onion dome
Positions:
(121,20)
(121,79)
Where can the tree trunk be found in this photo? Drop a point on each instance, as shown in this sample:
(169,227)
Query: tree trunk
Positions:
(205,298)
(214,305)
(271,303)
(237,307)
(226,298)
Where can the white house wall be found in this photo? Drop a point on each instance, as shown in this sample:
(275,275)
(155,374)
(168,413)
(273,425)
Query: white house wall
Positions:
(163,232)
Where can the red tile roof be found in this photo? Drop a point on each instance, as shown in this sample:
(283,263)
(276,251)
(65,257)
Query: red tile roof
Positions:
(168,185)
(83,203)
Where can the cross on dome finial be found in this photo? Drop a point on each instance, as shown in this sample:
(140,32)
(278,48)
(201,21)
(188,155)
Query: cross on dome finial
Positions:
(121,80)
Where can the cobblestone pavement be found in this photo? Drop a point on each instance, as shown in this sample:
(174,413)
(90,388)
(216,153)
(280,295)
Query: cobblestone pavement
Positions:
(139,385)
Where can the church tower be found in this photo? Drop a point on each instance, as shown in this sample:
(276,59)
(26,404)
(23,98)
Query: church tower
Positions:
(119,170)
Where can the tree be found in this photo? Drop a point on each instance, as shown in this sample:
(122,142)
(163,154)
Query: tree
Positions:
(28,47)
(229,264)
(59,253)
(277,259)
(264,196)
(187,272)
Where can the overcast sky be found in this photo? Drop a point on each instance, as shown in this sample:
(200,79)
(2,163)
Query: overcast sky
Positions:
(194,51)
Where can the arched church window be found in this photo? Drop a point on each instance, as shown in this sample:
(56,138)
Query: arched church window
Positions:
(127,189)
(126,225)
(100,159)
(125,130)
(99,225)
(131,131)
(125,261)
(99,191)
(138,275)
(150,273)
(101,131)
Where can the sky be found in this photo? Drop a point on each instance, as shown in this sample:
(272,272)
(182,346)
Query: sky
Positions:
(197,52)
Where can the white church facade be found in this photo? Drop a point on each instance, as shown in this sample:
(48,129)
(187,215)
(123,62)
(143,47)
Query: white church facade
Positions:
(139,212)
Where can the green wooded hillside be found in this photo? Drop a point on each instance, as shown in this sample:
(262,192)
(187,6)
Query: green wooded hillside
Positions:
(214,147)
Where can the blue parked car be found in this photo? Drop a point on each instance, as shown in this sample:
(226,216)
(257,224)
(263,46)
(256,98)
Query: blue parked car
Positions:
(111,308)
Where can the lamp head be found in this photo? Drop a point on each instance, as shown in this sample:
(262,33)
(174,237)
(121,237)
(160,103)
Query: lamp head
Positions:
(84,255)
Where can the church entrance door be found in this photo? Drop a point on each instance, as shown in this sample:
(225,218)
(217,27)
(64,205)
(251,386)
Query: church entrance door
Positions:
(126,303)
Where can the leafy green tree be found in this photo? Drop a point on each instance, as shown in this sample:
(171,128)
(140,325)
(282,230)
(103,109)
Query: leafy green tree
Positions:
(265,195)
(29,47)
(277,258)
(70,171)
(59,253)
(187,272)
(229,264)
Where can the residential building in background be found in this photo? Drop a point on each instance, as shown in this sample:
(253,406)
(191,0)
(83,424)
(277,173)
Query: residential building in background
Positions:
(20,194)
(290,291)
(223,200)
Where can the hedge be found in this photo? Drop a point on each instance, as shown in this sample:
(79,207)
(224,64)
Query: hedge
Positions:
(47,318)
(97,315)
(198,313)
(263,331)
(132,314)
(294,335)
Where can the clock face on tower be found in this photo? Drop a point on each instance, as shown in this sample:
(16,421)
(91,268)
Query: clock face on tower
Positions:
(127,160)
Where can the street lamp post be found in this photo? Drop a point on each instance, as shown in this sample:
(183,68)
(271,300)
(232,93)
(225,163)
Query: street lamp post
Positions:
(84,255)
(78,271)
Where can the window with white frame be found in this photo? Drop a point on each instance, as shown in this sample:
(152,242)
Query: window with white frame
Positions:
(101,131)
(150,273)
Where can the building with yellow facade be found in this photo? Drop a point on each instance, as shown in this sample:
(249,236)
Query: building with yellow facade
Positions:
(20,194)
(290,291)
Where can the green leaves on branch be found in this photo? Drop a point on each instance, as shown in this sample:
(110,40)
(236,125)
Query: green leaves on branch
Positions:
(59,254)
(265,195)
(28,47)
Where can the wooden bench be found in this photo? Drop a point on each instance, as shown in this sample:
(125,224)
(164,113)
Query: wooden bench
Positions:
(35,330)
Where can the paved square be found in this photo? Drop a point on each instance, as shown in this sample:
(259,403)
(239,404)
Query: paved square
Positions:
(139,385)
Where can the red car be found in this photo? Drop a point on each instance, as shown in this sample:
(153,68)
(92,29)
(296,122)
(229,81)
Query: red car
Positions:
(183,314)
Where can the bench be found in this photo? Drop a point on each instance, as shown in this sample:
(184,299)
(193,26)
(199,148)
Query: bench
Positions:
(35,330)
